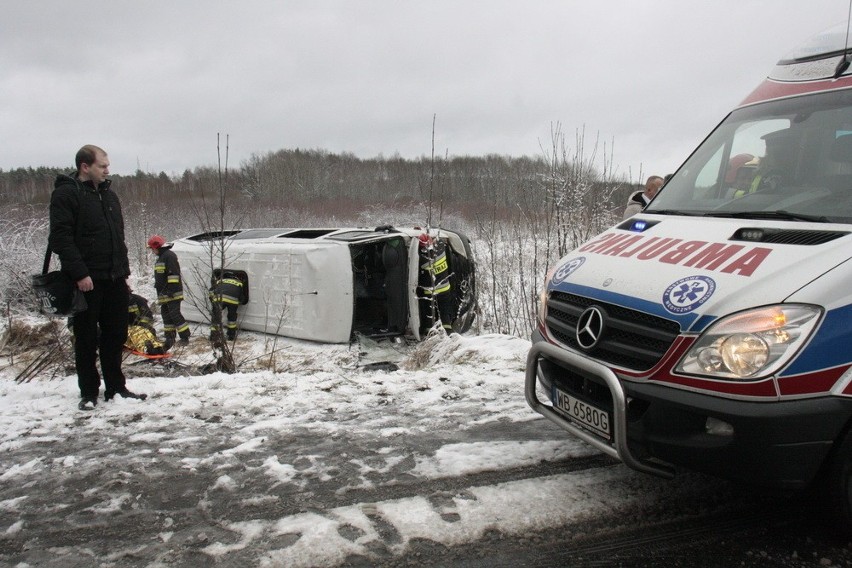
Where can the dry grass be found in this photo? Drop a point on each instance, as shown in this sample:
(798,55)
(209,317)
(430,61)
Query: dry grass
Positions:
(20,336)
(425,351)
(40,350)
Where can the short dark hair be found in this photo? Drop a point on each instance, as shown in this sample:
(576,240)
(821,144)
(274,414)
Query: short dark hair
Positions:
(653,179)
(87,155)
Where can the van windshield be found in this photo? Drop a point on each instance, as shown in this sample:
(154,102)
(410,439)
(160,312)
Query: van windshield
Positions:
(787,159)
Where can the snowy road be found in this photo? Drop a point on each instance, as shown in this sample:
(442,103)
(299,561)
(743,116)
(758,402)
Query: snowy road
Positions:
(324,464)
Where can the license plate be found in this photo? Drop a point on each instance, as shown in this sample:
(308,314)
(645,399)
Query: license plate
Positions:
(587,415)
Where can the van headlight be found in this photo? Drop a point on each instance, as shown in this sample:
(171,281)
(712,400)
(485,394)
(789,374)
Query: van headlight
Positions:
(751,344)
(542,297)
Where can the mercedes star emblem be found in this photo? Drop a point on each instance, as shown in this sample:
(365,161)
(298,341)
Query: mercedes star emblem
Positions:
(590,327)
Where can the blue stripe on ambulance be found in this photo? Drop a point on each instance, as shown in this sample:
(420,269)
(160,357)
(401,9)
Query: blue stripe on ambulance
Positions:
(830,347)
(686,321)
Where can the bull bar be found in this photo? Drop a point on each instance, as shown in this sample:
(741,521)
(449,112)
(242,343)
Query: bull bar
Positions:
(619,449)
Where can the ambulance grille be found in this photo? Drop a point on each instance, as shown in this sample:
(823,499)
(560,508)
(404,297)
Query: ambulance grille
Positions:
(631,339)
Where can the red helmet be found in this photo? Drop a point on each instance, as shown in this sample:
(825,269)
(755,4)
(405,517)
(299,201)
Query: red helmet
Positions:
(424,239)
(156,242)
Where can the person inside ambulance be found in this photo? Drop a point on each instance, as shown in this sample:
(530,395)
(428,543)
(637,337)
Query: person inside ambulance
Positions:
(740,173)
(775,167)
(838,171)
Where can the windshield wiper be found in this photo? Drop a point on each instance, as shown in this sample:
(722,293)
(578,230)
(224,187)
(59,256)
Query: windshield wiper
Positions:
(667,212)
(779,214)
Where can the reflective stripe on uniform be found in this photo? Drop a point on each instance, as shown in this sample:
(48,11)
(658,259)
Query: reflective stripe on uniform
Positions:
(436,266)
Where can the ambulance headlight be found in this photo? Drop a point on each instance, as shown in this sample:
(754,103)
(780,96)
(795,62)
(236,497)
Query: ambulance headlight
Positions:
(751,344)
(542,297)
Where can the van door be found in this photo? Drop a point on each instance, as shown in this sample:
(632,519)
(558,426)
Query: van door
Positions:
(413,300)
(380,279)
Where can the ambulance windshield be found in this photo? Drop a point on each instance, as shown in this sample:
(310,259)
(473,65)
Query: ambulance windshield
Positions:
(789,158)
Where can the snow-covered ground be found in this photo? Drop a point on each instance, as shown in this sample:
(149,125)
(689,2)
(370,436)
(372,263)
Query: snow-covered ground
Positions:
(309,459)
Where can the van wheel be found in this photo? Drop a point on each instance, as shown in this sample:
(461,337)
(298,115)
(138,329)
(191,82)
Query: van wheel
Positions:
(466,306)
(837,488)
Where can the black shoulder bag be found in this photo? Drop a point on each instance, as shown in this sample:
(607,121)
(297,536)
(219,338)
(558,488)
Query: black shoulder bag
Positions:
(57,294)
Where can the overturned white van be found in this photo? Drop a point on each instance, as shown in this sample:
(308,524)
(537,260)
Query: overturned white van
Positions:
(326,284)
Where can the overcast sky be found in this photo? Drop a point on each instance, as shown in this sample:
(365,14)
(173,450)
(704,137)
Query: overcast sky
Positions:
(154,82)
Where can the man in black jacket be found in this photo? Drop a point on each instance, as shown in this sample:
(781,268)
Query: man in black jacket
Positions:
(87,232)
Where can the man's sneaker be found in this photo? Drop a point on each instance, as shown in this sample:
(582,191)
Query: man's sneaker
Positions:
(87,403)
(124,394)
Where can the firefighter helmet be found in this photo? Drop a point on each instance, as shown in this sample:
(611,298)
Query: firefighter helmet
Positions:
(156,242)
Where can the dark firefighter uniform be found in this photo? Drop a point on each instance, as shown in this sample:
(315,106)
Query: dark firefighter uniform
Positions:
(169,288)
(227,293)
(434,285)
(139,312)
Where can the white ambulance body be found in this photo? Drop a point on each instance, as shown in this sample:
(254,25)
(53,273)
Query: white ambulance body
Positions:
(713,331)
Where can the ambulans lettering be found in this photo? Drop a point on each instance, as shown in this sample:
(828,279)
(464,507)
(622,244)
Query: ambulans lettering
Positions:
(657,249)
(748,262)
(614,249)
(682,251)
(643,245)
(728,258)
(712,257)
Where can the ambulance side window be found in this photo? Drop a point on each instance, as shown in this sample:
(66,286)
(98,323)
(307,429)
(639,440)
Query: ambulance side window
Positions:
(707,179)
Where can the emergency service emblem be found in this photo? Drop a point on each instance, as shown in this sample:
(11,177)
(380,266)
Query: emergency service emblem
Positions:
(688,294)
(567,270)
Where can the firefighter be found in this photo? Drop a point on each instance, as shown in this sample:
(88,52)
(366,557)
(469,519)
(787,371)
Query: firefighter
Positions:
(433,285)
(227,292)
(139,312)
(169,288)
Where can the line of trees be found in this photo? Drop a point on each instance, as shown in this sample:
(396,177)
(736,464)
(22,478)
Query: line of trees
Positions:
(315,176)
(523,213)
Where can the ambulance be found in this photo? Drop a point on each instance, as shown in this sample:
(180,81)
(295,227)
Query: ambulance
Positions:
(713,330)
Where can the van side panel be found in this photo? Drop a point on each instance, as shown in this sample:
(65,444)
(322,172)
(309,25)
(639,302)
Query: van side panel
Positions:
(302,290)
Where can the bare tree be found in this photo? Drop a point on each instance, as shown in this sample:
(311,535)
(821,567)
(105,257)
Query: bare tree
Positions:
(213,214)
(571,203)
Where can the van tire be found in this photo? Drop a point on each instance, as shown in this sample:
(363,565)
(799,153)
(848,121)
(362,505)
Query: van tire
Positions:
(837,484)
